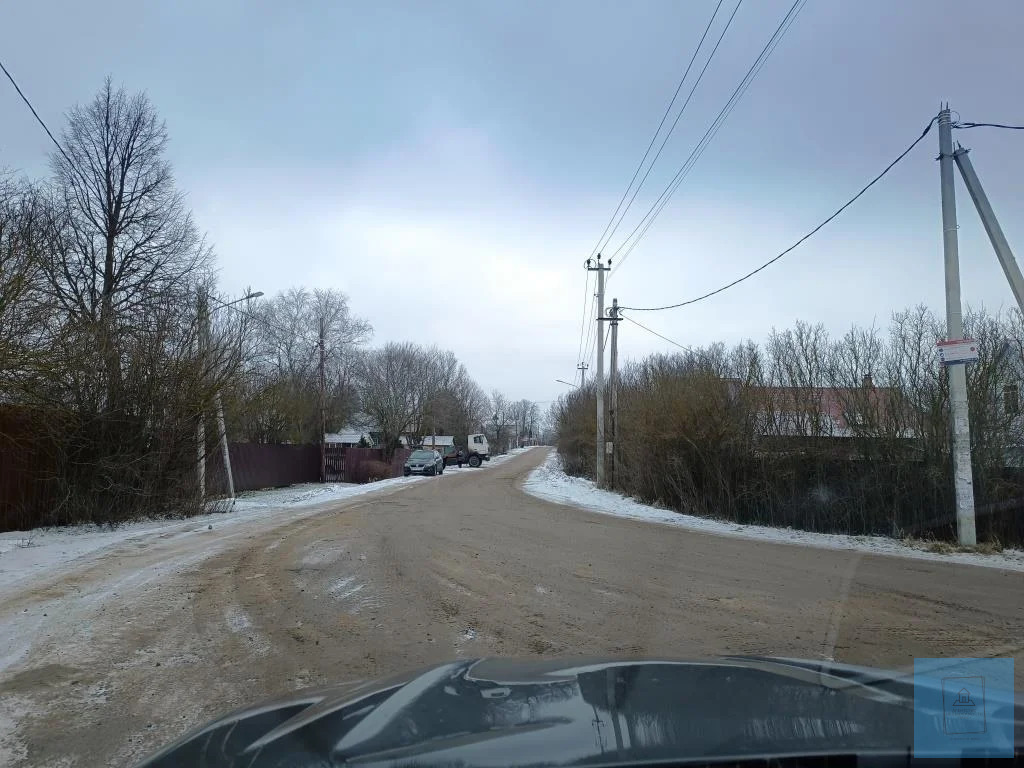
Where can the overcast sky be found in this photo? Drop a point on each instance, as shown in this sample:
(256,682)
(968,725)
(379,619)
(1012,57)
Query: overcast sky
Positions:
(449,165)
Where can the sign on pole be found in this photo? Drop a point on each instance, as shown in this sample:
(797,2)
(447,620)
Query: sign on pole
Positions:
(958,351)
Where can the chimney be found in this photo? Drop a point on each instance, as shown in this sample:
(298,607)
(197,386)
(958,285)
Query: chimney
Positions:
(868,382)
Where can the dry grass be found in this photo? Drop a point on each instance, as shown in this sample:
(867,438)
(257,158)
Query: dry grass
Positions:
(949,548)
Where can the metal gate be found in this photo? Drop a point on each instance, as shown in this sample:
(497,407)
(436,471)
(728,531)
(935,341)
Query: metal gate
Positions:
(335,463)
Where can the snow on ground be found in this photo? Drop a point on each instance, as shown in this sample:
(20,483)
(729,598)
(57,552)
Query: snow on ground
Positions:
(455,469)
(549,482)
(29,554)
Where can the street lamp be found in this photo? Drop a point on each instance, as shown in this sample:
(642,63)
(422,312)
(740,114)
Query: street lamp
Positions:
(568,383)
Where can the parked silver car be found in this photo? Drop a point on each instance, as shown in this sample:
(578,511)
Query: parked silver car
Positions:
(424,462)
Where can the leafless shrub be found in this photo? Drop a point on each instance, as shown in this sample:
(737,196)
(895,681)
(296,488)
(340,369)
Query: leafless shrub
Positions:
(842,435)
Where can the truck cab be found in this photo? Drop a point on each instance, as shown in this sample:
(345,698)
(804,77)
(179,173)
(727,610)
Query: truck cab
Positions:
(475,453)
(477,444)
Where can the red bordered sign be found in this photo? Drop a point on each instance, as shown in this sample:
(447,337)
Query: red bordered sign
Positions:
(958,351)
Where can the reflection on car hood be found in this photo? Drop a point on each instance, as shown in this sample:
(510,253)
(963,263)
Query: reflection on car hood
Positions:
(491,712)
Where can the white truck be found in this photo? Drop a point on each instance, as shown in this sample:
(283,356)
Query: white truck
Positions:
(476,452)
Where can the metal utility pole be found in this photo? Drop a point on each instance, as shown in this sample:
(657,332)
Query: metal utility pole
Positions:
(323,401)
(995,232)
(599,459)
(613,381)
(963,480)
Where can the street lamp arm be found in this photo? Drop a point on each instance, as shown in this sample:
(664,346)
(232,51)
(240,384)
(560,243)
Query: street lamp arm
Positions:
(247,297)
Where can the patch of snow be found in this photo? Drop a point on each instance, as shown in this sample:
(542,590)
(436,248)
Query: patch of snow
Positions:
(343,588)
(493,462)
(240,624)
(353,594)
(236,620)
(340,585)
(550,483)
(541,590)
(12,749)
(317,554)
(29,555)
(350,592)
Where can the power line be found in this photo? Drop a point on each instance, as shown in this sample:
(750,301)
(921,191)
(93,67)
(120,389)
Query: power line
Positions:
(989,125)
(814,231)
(36,114)
(675,122)
(590,329)
(649,330)
(606,334)
(709,134)
(583,319)
(664,117)
(592,354)
(737,94)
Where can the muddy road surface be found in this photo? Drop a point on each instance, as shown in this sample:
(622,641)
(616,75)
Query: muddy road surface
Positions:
(129,648)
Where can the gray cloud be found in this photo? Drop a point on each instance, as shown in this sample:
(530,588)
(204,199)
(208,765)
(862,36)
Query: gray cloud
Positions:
(426,158)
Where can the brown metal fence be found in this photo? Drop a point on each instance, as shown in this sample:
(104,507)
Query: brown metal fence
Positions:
(362,465)
(263,465)
(28,470)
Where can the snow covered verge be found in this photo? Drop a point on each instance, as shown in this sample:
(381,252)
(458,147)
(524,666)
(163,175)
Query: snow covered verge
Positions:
(550,483)
(28,554)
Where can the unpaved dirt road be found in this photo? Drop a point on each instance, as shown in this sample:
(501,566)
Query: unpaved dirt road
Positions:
(159,635)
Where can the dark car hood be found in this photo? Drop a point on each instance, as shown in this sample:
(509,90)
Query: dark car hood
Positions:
(492,712)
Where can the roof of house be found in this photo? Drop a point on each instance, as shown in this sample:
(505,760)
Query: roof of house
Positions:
(343,437)
(831,408)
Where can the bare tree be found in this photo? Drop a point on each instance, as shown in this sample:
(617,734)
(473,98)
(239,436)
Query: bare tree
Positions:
(24,235)
(393,388)
(127,236)
(842,435)
(125,381)
(280,395)
(502,412)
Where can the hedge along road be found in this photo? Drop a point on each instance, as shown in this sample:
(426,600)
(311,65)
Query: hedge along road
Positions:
(158,636)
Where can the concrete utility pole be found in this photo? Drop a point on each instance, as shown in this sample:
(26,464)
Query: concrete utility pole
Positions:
(323,401)
(599,460)
(225,452)
(991,223)
(613,381)
(203,344)
(582,368)
(202,311)
(963,479)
